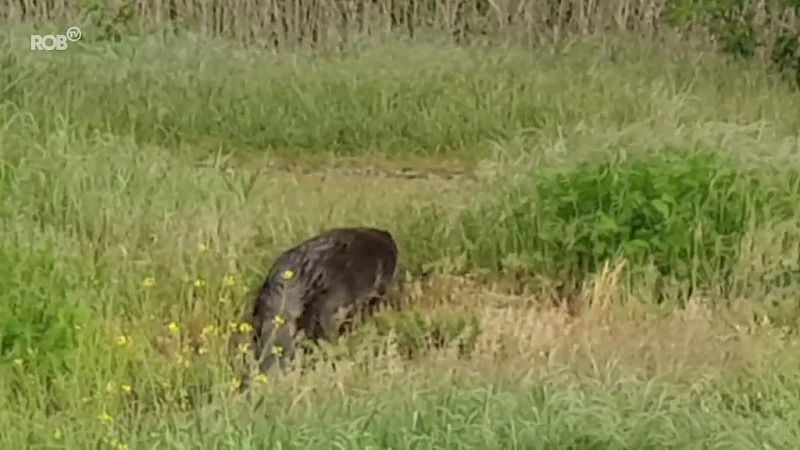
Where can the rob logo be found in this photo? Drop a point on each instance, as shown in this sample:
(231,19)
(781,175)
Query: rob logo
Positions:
(50,42)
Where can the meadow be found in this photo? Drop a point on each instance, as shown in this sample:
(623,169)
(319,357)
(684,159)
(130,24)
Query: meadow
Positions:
(601,238)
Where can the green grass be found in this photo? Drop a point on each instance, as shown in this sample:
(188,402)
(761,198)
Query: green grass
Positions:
(403,100)
(585,415)
(150,158)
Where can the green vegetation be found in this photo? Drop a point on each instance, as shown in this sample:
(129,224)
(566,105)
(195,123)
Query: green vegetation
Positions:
(141,203)
(684,215)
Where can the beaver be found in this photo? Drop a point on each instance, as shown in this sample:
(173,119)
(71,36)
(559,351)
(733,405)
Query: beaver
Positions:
(341,271)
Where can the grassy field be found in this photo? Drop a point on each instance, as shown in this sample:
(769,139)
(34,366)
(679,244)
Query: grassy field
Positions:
(145,187)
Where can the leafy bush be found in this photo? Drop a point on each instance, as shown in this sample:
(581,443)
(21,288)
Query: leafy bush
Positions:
(684,214)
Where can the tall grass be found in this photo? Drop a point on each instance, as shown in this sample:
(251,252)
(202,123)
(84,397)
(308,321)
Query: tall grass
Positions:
(132,239)
(200,97)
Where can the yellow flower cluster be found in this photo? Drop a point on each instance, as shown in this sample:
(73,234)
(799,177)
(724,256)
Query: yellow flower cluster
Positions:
(228,281)
(149,282)
(123,340)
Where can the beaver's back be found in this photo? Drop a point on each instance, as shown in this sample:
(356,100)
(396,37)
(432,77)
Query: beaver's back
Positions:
(358,258)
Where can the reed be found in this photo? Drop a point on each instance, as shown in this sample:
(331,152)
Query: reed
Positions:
(330,23)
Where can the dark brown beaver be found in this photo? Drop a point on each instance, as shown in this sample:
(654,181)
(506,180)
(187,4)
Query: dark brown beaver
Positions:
(342,270)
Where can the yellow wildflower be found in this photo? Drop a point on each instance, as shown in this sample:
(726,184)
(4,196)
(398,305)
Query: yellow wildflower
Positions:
(19,362)
(287,274)
(123,447)
(148,282)
(198,283)
(245,327)
(235,383)
(58,434)
(202,248)
(123,340)
(228,281)
(277,350)
(278,321)
(110,387)
(244,348)
(105,417)
(126,388)
(174,328)
(260,379)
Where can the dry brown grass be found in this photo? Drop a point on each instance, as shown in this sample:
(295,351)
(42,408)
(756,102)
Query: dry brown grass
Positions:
(524,337)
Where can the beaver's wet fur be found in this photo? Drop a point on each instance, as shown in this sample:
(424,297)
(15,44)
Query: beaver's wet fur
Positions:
(341,270)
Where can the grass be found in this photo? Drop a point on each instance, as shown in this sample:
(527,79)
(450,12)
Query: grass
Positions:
(198,96)
(139,206)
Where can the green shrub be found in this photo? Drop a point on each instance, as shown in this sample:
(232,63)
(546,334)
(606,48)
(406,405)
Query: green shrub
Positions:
(685,214)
